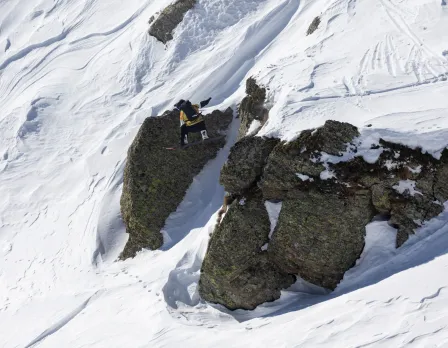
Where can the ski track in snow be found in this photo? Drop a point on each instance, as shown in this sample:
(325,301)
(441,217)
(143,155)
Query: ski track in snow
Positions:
(77,78)
(64,321)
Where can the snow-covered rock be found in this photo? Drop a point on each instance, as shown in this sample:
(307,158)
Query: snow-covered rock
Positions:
(321,227)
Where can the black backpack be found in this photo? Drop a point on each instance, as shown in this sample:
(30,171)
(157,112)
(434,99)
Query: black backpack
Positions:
(189,110)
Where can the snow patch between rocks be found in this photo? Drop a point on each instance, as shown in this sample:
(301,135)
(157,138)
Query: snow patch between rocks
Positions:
(406,185)
(327,173)
(416,170)
(304,177)
(273,210)
(379,248)
(253,128)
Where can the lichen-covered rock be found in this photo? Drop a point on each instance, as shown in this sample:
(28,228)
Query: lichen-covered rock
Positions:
(332,138)
(162,28)
(329,194)
(236,272)
(381,198)
(320,235)
(156,179)
(245,163)
(252,107)
(321,227)
(287,162)
(400,165)
(409,212)
(441,178)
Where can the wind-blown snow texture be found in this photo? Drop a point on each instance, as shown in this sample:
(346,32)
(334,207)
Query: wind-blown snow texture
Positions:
(77,78)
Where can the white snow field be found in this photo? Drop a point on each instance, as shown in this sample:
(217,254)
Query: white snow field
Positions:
(78,77)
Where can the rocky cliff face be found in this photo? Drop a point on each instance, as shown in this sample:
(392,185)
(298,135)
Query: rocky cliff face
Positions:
(156,179)
(162,28)
(329,190)
(329,193)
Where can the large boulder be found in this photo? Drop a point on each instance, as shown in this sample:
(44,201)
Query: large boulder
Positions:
(329,193)
(245,163)
(236,272)
(162,28)
(320,235)
(156,179)
(321,227)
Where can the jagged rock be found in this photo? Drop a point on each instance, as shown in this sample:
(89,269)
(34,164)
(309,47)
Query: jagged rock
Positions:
(327,203)
(236,272)
(408,212)
(245,163)
(400,163)
(332,138)
(440,187)
(256,92)
(321,228)
(252,107)
(300,157)
(156,179)
(162,28)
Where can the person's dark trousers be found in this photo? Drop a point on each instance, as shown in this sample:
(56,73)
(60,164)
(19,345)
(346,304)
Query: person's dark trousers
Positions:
(196,128)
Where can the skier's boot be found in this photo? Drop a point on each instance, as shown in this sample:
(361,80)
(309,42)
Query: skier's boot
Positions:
(184,141)
(204,135)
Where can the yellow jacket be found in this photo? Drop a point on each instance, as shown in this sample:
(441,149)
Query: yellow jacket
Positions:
(184,119)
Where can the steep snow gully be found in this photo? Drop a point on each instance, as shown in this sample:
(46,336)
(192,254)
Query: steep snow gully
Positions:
(77,79)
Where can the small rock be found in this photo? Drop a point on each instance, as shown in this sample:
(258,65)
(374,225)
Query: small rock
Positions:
(162,28)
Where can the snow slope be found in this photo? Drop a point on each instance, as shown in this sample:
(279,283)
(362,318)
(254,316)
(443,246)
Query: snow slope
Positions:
(78,77)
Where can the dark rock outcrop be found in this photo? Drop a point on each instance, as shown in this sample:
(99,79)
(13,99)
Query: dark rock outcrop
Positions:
(320,235)
(301,156)
(313,26)
(321,228)
(162,28)
(236,272)
(156,179)
(398,165)
(245,163)
(252,107)
(327,200)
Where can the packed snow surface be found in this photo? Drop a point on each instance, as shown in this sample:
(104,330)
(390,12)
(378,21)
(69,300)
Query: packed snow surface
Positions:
(78,77)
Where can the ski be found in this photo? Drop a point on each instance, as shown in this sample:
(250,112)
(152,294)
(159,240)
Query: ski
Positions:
(186,146)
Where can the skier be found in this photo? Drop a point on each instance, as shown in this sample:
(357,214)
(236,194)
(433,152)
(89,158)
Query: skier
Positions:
(191,120)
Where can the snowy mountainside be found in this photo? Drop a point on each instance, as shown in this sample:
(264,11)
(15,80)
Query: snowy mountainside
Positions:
(77,78)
